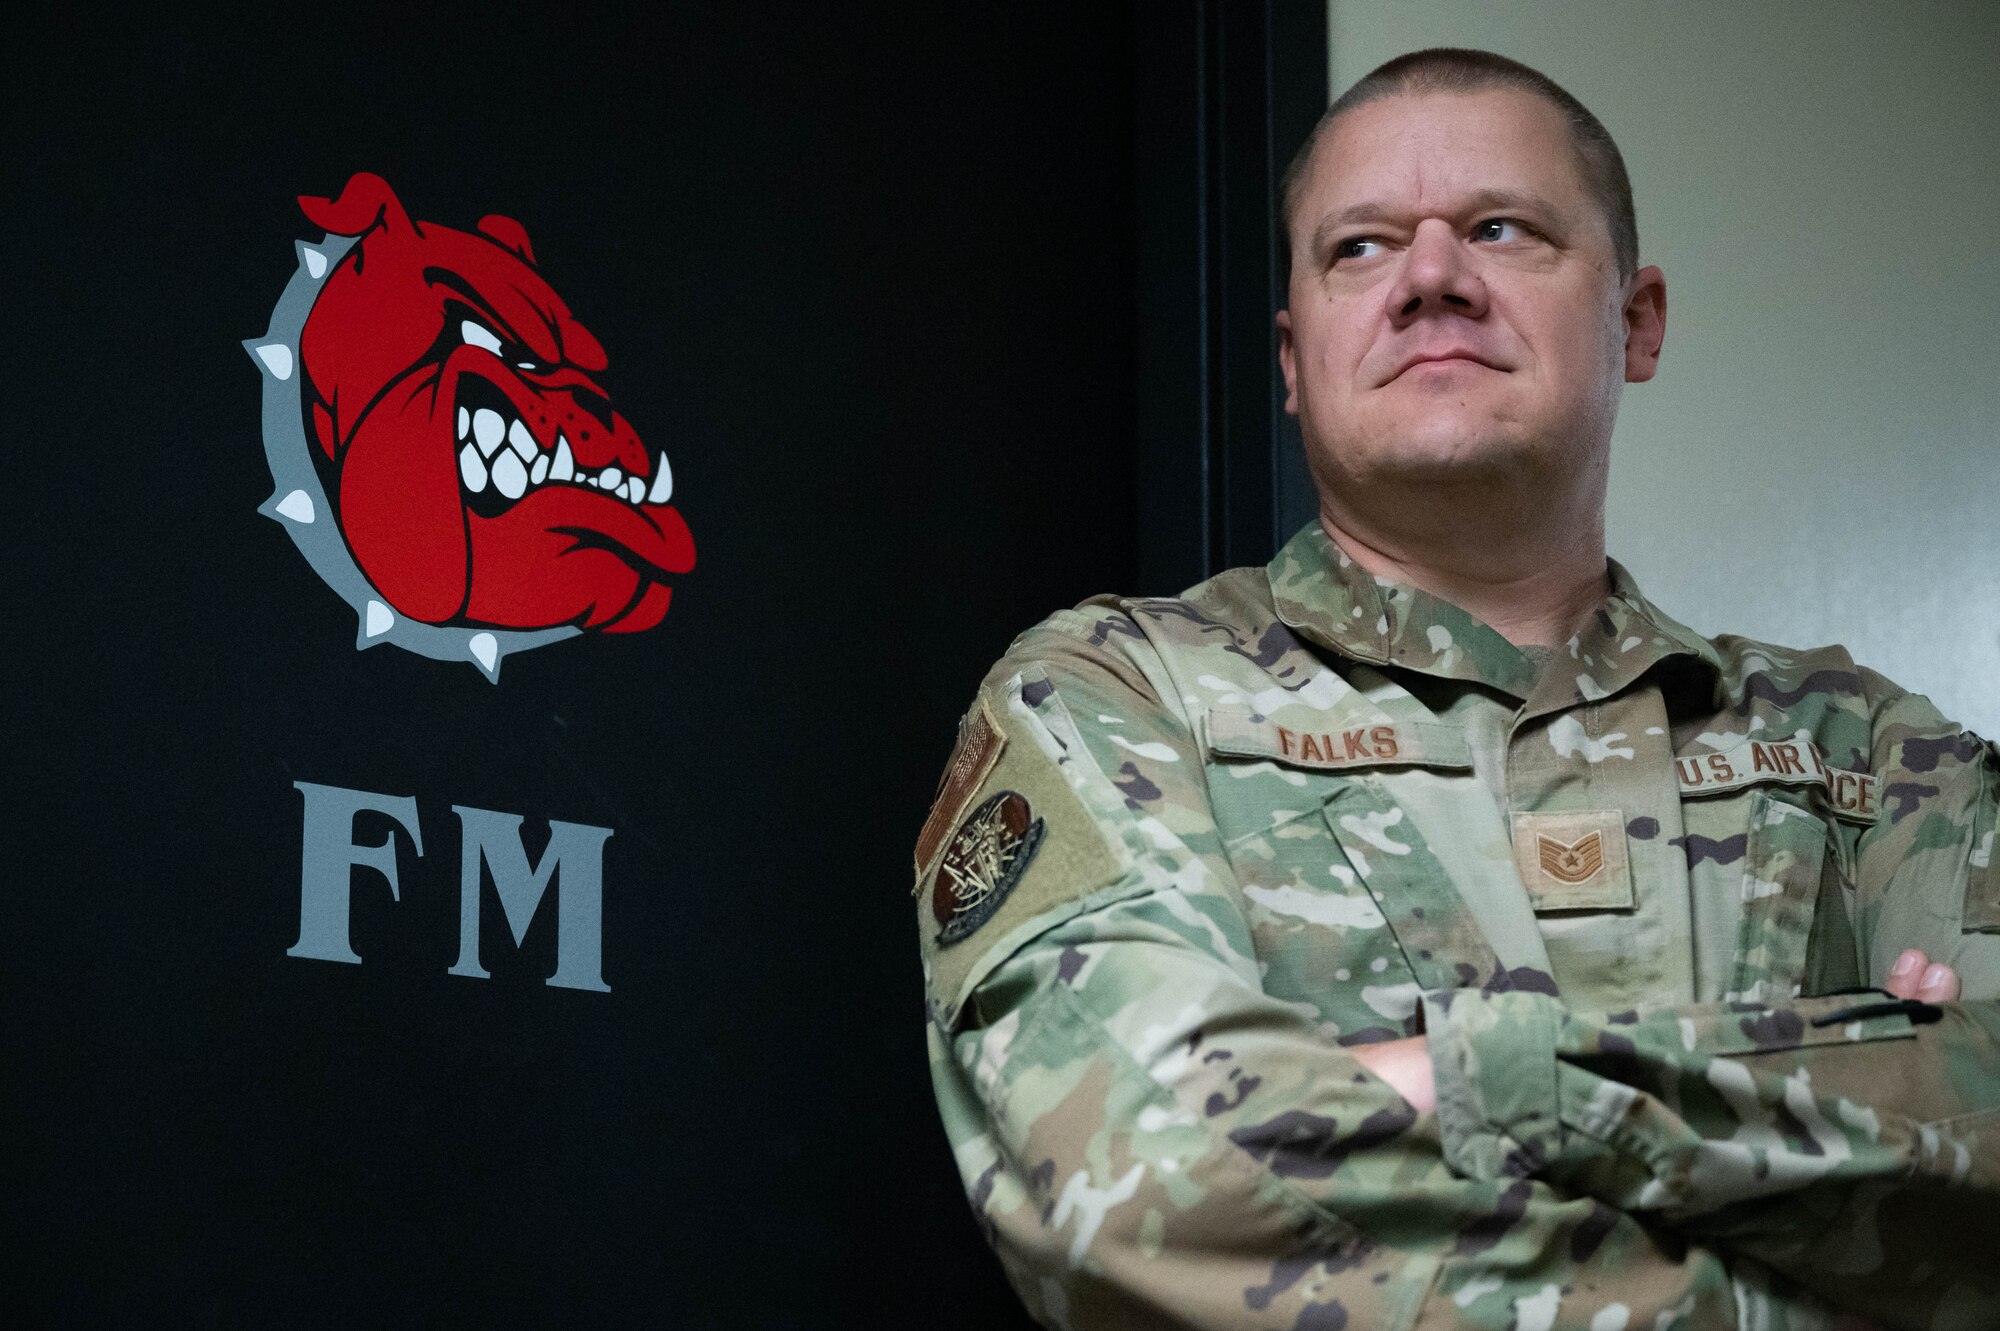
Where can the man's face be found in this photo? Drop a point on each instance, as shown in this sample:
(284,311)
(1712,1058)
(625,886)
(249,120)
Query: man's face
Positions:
(1455,307)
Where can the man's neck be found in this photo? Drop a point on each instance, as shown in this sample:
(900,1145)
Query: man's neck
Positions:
(1531,588)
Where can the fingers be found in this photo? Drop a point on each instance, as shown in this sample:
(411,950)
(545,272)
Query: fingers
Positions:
(1907,975)
(1940,985)
(1405,1065)
(1915,976)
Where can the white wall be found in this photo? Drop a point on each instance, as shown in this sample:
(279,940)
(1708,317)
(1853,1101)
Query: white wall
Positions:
(1819,458)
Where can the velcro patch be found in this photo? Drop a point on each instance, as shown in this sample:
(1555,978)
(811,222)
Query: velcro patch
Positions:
(1242,734)
(1028,855)
(1574,861)
(978,748)
(1854,796)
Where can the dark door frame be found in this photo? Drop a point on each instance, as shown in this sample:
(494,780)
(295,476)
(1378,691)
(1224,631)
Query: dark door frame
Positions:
(1224,92)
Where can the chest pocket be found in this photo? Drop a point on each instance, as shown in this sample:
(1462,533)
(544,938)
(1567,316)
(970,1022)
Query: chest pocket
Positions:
(1349,910)
(1442,943)
(1769,866)
(1785,859)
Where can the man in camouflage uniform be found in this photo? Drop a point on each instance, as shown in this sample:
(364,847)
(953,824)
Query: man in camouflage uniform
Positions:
(1424,930)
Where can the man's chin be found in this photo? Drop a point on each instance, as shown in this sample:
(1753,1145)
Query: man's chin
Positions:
(1444,460)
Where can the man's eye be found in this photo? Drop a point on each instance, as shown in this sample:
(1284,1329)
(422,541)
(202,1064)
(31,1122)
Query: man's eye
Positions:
(1356,247)
(1501,229)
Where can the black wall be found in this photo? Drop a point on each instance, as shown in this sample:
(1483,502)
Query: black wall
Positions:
(871,274)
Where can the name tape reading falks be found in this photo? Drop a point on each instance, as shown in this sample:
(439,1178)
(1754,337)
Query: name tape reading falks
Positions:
(1242,734)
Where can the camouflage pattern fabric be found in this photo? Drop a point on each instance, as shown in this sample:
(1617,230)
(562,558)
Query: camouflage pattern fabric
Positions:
(1297,809)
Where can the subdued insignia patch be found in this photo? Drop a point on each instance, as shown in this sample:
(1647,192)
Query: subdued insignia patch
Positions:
(978,748)
(1078,856)
(1574,861)
(986,858)
(1571,863)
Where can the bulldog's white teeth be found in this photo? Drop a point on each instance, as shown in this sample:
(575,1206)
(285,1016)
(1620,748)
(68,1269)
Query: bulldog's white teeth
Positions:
(471,470)
(464,422)
(635,489)
(510,478)
(539,472)
(521,441)
(488,429)
(663,482)
(564,467)
(610,478)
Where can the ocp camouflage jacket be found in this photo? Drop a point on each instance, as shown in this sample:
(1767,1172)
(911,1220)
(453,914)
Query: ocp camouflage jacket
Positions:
(1190,850)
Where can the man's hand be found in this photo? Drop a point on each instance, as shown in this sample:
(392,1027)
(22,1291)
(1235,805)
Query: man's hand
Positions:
(1405,1065)
(1913,976)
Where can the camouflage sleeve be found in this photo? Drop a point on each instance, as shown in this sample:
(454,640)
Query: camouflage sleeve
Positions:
(1850,1142)
(1834,1140)
(1925,873)
(1148,1139)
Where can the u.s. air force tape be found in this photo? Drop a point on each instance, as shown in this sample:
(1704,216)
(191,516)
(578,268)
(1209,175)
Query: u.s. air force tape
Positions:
(1789,762)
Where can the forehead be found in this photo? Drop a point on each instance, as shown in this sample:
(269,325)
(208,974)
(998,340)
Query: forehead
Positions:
(1429,149)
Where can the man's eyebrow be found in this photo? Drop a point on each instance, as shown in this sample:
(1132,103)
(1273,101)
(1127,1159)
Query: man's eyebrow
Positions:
(1480,201)
(1516,201)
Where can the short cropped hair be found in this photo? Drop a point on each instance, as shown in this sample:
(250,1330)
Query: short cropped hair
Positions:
(1446,69)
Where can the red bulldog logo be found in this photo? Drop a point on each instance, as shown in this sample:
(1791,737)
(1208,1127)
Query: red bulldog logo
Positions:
(444,449)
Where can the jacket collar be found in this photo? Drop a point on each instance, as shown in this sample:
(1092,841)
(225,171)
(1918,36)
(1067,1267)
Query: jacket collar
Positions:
(1332,602)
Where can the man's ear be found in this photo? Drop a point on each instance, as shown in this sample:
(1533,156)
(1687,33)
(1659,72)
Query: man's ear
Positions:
(1288,361)
(1645,323)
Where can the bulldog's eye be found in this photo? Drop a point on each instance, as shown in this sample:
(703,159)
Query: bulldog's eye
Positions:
(527,365)
(478,335)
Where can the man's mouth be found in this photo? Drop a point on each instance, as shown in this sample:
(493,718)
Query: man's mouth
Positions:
(500,462)
(1452,356)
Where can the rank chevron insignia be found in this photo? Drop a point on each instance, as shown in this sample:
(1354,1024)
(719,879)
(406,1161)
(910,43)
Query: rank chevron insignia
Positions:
(1571,863)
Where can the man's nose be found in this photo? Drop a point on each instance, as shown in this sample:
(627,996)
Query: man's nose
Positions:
(1437,274)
